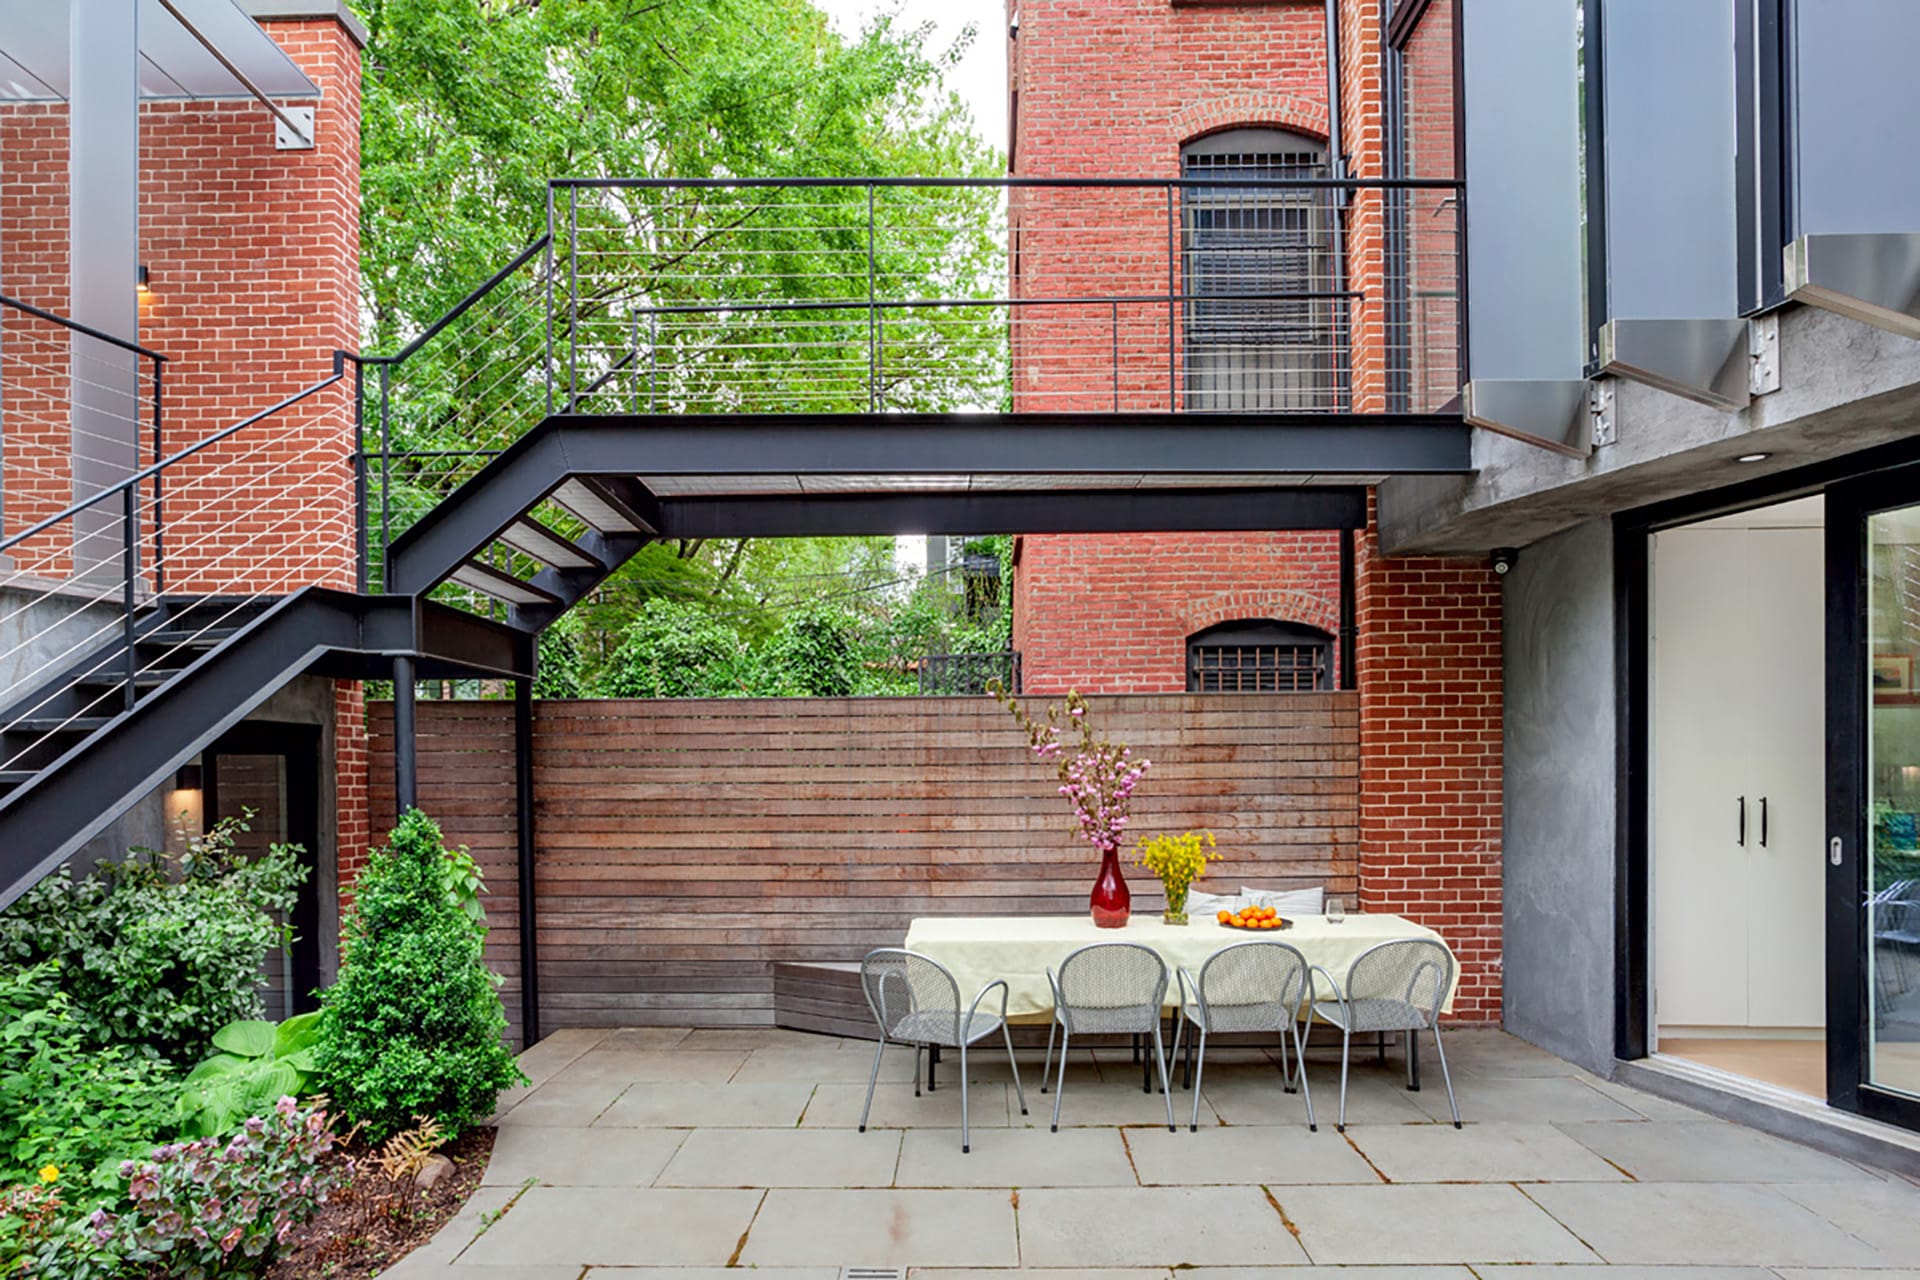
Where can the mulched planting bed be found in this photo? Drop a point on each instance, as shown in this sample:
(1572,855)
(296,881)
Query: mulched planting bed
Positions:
(372,1224)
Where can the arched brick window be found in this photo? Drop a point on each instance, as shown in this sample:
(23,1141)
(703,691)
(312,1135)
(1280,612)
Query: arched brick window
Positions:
(1262,325)
(1259,655)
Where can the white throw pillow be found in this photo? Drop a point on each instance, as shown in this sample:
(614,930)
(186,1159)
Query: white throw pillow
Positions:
(1301,902)
(1208,904)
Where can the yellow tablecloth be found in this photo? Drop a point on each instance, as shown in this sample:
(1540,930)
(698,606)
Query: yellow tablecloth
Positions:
(978,949)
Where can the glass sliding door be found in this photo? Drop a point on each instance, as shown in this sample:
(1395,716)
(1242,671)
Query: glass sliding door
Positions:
(1890,1058)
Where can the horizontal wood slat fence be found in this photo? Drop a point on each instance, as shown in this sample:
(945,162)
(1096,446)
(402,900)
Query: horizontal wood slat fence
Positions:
(685,846)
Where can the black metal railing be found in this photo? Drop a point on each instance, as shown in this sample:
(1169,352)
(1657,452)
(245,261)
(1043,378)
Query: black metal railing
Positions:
(969,673)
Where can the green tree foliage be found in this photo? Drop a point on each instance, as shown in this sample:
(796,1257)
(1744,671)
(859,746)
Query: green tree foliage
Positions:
(160,955)
(414,1025)
(676,649)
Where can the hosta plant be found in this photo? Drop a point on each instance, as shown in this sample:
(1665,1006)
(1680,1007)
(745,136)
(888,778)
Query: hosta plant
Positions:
(257,1062)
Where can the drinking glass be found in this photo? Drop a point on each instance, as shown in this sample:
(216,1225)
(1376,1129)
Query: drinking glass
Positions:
(1336,911)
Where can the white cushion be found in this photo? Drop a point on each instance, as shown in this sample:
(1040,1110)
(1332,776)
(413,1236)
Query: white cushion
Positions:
(1301,902)
(1199,903)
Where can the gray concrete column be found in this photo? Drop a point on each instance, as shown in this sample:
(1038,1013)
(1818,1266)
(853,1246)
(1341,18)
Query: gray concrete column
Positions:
(103,261)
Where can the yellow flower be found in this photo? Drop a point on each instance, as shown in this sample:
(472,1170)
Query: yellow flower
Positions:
(50,1173)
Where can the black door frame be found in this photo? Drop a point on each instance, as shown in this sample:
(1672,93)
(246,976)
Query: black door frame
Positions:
(299,746)
(1867,477)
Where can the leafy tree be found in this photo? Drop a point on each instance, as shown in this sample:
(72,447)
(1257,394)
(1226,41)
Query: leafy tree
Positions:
(675,649)
(414,1026)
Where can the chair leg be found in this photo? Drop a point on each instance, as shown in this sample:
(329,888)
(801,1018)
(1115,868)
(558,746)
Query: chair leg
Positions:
(1146,1070)
(916,1070)
(1180,1030)
(1300,1054)
(1199,1075)
(1445,1075)
(874,1078)
(1189,1065)
(1346,1050)
(1286,1077)
(1060,1083)
(1302,1036)
(1046,1065)
(933,1060)
(1006,1033)
(1160,1060)
(965,1143)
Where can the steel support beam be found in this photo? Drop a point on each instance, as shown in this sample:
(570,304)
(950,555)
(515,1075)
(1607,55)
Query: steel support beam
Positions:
(405,765)
(1054,511)
(523,807)
(1068,445)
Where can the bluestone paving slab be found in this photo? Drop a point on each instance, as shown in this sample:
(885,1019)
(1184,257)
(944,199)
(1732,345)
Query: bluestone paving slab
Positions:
(883,1229)
(1370,1100)
(1479,1153)
(580,1157)
(726,1106)
(1326,1273)
(1158,1226)
(1600,1271)
(762,1038)
(460,1230)
(815,1066)
(1015,1158)
(646,1037)
(1533,1099)
(1426,1224)
(479,1271)
(569,1108)
(1106,1103)
(714,1273)
(1884,1214)
(783,1158)
(1063,1273)
(1269,1155)
(837,1106)
(1710,1151)
(609,1226)
(1650,1105)
(1700,1224)
(1844,1273)
(654,1066)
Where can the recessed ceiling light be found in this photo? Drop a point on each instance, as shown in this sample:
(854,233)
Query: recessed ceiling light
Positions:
(1753,457)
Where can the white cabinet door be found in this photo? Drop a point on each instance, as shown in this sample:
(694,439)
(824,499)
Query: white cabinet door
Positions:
(1697,769)
(1786,879)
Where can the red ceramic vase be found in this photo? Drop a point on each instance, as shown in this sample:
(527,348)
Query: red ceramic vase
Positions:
(1111,903)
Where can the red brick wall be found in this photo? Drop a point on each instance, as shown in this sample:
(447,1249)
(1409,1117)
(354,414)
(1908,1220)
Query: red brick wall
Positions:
(253,255)
(1111,613)
(1428,662)
(353,805)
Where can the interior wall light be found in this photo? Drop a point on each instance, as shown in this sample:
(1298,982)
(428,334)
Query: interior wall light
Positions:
(141,279)
(185,807)
(1753,457)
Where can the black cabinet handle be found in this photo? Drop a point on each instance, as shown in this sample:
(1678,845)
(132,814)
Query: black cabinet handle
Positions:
(1763,822)
(1742,837)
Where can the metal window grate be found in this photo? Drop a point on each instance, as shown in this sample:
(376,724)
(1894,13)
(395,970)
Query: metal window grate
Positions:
(1258,668)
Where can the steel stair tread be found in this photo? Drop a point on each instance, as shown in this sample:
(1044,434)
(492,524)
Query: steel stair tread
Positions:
(532,538)
(490,581)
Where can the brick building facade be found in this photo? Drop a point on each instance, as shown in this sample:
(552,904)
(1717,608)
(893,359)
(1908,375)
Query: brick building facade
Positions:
(1121,95)
(252,284)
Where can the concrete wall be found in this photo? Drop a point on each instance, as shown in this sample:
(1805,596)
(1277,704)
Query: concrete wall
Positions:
(1560,795)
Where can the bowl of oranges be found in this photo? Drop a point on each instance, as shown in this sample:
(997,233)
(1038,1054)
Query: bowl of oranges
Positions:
(1254,918)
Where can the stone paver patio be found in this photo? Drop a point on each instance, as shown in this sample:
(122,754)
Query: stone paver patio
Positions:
(700,1155)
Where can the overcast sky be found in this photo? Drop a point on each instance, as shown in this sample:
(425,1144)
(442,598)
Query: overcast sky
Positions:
(981,78)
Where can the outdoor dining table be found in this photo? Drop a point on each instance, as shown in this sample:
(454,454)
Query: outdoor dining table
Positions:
(1020,949)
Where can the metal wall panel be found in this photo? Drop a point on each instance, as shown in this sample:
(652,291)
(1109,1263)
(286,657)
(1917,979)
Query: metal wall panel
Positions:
(1854,149)
(1523,180)
(1670,215)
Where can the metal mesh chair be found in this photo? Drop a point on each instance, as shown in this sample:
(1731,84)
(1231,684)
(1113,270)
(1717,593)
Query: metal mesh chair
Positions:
(916,1001)
(1109,988)
(1393,986)
(1250,987)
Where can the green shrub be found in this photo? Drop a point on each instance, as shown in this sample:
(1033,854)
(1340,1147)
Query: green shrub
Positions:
(814,654)
(414,1025)
(159,954)
(66,1103)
